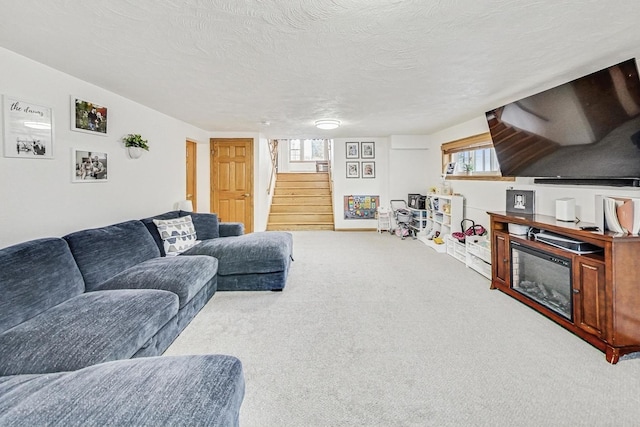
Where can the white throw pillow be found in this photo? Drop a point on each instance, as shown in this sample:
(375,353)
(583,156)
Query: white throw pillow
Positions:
(178,234)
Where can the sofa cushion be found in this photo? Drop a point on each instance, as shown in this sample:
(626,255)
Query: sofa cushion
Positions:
(202,390)
(35,276)
(184,276)
(177,235)
(87,329)
(206,224)
(262,252)
(153,230)
(101,253)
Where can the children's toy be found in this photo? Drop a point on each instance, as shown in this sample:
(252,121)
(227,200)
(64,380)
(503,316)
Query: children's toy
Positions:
(474,230)
(403,218)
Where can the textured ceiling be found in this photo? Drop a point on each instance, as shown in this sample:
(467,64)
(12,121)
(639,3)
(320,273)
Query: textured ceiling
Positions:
(382,67)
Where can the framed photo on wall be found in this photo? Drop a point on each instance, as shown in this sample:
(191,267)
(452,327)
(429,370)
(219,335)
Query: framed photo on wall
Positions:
(28,129)
(450,168)
(353,169)
(353,150)
(89,166)
(368,169)
(88,117)
(368,150)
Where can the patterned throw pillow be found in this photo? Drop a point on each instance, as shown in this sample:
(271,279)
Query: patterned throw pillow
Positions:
(178,234)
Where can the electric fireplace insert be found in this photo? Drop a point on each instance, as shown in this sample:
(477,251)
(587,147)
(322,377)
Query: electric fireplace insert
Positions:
(543,277)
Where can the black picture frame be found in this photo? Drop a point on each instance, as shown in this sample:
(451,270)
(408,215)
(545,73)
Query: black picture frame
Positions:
(368,169)
(520,202)
(368,150)
(352,150)
(353,169)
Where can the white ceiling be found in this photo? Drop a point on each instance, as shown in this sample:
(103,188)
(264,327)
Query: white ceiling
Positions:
(382,67)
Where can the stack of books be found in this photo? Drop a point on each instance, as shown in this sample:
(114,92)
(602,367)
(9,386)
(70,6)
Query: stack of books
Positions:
(618,214)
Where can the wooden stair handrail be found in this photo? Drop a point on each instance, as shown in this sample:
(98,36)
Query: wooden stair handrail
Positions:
(273,151)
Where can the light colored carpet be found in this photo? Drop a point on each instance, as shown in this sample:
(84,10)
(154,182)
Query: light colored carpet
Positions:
(372,330)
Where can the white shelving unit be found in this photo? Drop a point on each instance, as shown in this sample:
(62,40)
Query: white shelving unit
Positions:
(478,255)
(456,249)
(444,214)
(384,219)
(419,220)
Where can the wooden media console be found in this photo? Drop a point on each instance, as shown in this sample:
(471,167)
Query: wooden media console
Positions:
(602,302)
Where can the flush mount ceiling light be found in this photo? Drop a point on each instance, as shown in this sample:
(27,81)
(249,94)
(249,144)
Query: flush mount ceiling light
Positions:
(327,124)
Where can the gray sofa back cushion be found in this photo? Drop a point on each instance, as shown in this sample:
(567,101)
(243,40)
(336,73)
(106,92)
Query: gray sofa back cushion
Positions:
(206,224)
(35,276)
(153,230)
(101,253)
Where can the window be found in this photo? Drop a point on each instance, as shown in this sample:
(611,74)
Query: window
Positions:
(308,150)
(474,157)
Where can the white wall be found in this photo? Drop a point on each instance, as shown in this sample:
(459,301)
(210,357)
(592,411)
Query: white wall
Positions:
(37,197)
(343,186)
(483,196)
(409,165)
(204,176)
(262,199)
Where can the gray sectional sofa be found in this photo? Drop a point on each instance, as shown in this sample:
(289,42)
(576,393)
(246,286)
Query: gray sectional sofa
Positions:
(82,317)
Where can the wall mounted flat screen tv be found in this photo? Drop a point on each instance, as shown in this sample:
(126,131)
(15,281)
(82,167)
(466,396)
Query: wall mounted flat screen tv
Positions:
(588,128)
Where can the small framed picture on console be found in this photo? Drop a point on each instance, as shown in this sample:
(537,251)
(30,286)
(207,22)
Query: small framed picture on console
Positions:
(521,202)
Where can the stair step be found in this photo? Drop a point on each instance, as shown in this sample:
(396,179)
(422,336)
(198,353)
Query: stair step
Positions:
(300,218)
(302,184)
(301,191)
(311,176)
(315,208)
(287,199)
(299,227)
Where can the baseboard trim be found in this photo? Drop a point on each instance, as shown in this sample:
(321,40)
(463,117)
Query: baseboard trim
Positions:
(355,229)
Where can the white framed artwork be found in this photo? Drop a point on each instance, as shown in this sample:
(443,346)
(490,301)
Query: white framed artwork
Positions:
(89,166)
(28,129)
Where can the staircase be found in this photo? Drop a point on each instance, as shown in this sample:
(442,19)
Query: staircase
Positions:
(301,201)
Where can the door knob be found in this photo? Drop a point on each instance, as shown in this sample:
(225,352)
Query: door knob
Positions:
(246,195)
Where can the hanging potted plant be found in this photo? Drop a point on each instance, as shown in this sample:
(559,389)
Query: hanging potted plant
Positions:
(135,144)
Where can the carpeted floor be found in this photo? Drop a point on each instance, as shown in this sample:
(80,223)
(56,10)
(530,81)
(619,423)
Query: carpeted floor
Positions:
(372,330)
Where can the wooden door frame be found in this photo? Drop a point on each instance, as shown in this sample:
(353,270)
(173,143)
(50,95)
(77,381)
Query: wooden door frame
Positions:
(250,174)
(194,195)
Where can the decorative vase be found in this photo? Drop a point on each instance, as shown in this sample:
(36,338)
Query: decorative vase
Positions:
(134,152)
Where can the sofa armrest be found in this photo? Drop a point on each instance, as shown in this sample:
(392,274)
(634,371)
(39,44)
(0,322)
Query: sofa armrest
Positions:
(231,229)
